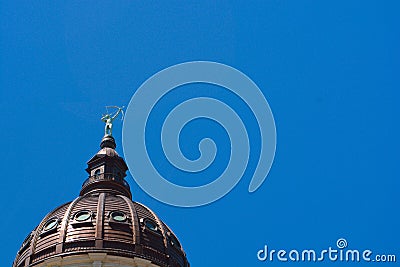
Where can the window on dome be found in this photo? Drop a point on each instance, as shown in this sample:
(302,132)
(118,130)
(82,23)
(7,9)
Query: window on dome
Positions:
(151,225)
(50,225)
(118,216)
(83,215)
(174,241)
(97,172)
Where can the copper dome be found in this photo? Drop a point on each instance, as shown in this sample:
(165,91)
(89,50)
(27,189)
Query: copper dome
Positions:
(103,220)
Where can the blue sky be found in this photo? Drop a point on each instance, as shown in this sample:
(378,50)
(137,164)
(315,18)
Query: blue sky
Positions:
(330,72)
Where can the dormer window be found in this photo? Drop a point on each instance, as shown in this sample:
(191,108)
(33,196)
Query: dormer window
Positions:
(97,173)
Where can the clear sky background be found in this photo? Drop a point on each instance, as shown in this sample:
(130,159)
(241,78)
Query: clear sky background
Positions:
(329,71)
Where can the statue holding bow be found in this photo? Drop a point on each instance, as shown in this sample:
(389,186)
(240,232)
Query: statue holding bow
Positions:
(109,118)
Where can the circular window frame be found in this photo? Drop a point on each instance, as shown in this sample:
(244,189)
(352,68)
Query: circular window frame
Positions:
(48,222)
(173,240)
(121,213)
(156,230)
(81,212)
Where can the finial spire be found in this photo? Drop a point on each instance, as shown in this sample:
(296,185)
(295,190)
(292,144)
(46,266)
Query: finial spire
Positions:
(109,118)
(107,169)
(108,141)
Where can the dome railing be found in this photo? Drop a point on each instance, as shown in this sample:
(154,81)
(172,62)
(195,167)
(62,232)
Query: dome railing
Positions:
(105,177)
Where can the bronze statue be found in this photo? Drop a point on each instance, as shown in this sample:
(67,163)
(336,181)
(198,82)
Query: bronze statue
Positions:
(109,118)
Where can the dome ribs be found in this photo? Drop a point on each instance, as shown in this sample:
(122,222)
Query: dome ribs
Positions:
(99,221)
(64,225)
(135,220)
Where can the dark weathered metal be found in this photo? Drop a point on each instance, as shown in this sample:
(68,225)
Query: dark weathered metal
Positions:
(99,222)
(105,177)
(103,194)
